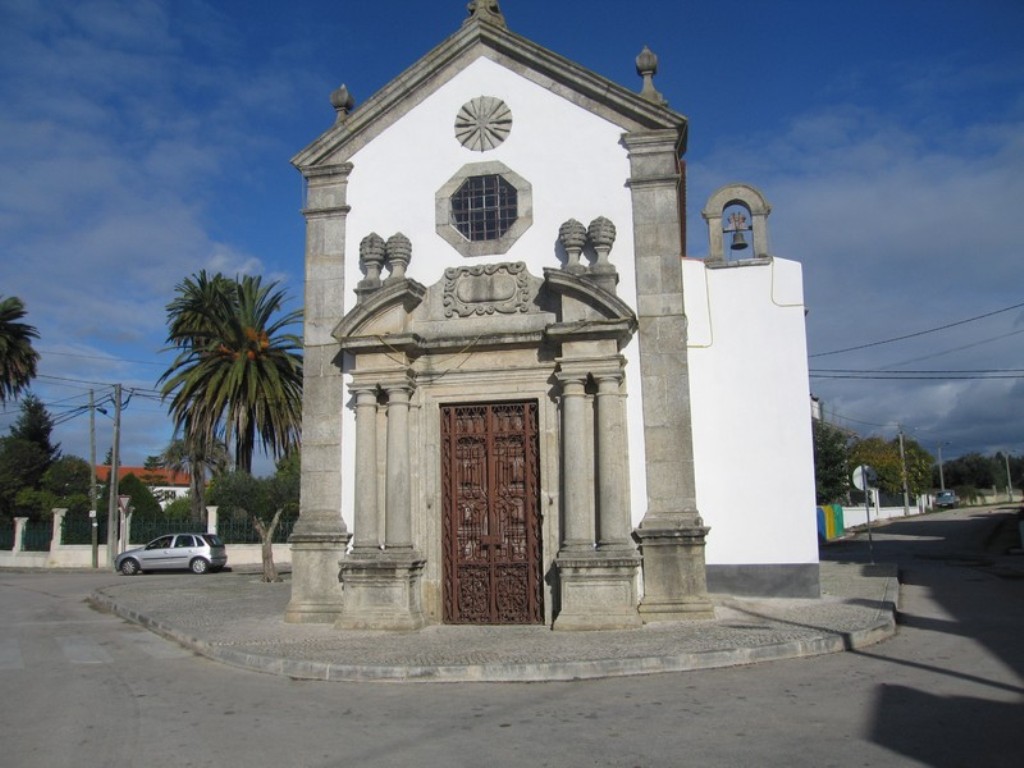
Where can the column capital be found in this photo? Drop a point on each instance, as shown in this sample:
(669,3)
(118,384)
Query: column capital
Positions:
(573,382)
(325,174)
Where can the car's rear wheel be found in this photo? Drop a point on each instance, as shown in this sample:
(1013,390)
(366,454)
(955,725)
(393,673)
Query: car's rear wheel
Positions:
(199,565)
(130,567)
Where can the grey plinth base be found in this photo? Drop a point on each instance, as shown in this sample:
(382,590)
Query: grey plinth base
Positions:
(675,582)
(316,593)
(597,592)
(382,591)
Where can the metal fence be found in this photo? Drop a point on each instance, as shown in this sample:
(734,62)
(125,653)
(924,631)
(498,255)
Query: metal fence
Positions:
(242,531)
(77,529)
(37,535)
(143,531)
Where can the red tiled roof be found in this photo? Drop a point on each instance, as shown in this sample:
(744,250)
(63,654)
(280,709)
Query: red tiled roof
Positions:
(147,476)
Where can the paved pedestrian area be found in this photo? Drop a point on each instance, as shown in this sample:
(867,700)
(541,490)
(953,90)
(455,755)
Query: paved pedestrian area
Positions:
(236,619)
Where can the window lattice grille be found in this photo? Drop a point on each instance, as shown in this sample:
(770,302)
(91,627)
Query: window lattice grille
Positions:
(484,207)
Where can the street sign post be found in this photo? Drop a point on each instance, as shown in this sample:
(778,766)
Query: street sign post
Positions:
(865,479)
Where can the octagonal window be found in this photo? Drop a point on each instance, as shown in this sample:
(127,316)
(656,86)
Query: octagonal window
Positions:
(484,208)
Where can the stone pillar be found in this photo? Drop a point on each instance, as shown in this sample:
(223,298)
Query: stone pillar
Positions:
(398,495)
(672,533)
(367,535)
(57,529)
(319,539)
(19,534)
(597,588)
(612,466)
(578,536)
(383,586)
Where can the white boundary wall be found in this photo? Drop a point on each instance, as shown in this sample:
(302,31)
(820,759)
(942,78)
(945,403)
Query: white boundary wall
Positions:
(753,451)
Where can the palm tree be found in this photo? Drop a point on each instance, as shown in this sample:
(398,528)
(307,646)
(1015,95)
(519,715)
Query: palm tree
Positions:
(238,372)
(17,357)
(200,458)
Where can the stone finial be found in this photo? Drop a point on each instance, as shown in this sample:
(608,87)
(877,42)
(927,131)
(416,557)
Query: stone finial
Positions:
(342,101)
(602,237)
(573,237)
(486,10)
(371,260)
(647,68)
(398,254)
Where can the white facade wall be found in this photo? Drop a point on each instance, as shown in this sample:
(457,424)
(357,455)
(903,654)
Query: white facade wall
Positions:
(574,161)
(753,453)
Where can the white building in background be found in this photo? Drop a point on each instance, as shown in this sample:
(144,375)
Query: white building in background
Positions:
(521,403)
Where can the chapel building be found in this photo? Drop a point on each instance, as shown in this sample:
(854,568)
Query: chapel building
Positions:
(522,403)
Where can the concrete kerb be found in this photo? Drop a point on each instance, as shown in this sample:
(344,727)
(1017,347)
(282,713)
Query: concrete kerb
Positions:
(880,625)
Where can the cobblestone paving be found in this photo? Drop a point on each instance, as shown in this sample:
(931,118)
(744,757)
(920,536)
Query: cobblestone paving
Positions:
(235,616)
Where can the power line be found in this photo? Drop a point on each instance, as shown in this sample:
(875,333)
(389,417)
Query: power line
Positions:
(918,333)
(915,375)
(954,349)
(105,358)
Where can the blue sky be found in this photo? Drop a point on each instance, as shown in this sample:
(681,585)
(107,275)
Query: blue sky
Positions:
(144,140)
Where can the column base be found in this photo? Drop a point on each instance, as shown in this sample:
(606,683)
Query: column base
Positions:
(316,593)
(675,582)
(598,591)
(382,591)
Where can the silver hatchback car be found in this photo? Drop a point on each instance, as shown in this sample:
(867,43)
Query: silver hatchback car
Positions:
(196,552)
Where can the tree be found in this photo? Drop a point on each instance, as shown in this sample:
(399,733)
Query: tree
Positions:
(35,425)
(18,359)
(265,501)
(143,502)
(831,463)
(69,480)
(238,372)
(199,459)
(919,467)
(972,470)
(20,461)
(25,456)
(884,458)
(144,505)
(64,485)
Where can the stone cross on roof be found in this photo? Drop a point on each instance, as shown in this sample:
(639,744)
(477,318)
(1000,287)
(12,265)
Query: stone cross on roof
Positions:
(486,10)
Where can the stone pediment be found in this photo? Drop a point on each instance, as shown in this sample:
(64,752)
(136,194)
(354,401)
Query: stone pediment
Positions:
(493,304)
(359,124)
(383,312)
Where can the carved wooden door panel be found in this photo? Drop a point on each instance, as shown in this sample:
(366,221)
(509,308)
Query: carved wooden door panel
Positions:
(492,551)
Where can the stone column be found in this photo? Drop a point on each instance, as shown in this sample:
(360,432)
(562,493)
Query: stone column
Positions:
(597,586)
(383,586)
(319,539)
(398,498)
(579,517)
(612,466)
(672,534)
(367,535)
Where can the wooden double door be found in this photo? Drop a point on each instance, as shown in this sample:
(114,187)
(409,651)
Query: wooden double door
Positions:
(491,527)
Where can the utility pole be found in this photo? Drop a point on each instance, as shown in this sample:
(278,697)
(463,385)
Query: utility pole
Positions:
(1009,482)
(903,472)
(94,522)
(112,508)
(942,477)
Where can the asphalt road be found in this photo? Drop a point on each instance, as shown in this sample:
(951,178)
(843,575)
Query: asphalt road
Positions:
(85,689)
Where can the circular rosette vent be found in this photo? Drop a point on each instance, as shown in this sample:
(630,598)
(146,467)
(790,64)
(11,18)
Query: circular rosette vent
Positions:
(483,123)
